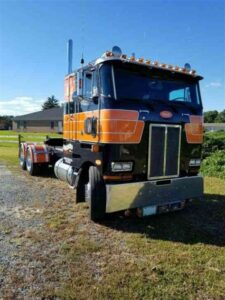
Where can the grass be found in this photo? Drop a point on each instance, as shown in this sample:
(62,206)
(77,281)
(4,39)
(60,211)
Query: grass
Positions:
(9,144)
(173,256)
(216,135)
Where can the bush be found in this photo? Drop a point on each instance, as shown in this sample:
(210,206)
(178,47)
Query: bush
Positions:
(214,165)
(213,141)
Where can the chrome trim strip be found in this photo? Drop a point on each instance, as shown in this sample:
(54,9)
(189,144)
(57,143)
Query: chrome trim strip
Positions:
(165,150)
(166,126)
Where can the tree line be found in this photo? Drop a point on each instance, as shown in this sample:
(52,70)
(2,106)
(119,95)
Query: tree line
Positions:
(213,116)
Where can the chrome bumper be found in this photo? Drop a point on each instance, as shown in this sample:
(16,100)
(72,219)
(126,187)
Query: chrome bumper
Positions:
(152,193)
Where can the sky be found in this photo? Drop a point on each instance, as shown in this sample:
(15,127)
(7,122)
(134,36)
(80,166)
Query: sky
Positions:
(34,33)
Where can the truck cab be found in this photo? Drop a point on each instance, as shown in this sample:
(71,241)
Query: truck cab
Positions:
(132,136)
(137,125)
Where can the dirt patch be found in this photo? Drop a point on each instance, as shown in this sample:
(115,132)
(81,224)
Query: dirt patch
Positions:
(28,253)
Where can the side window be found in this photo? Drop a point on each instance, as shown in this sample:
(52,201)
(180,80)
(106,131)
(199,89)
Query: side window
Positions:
(94,84)
(187,93)
(106,86)
(65,108)
(69,108)
(87,85)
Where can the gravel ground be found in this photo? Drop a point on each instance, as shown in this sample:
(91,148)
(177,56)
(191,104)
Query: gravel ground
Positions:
(27,249)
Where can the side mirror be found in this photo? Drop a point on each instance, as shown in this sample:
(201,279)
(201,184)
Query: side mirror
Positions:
(90,126)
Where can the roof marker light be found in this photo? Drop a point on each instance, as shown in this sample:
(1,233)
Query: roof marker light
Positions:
(132,58)
(156,63)
(108,53)
(148,62)
(141,60)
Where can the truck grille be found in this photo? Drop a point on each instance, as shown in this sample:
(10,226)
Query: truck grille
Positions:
(164,151)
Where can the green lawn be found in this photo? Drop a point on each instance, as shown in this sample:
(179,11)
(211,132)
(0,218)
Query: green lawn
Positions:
(9,143)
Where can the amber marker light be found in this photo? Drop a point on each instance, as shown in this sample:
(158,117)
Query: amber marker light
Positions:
(141,60)
(108,53)
(148,62)
(95,148)
(132,59)
(98,162)
(156,63)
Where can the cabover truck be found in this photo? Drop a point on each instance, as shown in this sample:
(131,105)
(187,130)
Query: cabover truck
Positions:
(132,136)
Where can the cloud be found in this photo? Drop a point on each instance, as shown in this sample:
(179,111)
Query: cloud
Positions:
(214,84)
(20,105)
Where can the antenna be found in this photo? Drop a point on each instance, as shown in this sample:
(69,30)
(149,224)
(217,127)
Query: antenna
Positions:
(82,59)
(70,55)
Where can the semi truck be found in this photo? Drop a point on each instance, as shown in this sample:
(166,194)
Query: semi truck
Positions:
(132,136)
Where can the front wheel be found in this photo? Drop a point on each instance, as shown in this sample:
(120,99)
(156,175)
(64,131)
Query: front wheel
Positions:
(97,192)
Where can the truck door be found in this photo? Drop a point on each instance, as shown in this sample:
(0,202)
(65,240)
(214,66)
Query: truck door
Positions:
(88,107)
(71,121)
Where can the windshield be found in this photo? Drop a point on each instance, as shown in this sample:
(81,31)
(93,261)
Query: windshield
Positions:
(138,84)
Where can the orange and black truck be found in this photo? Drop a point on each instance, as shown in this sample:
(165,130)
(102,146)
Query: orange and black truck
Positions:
(132,136)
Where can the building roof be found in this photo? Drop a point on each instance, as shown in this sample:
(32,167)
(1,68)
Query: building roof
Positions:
(53,114)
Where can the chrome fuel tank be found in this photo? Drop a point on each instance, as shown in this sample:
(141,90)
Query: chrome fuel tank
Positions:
(64,172)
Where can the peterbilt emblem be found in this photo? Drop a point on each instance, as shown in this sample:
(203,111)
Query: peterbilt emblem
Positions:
(166,114)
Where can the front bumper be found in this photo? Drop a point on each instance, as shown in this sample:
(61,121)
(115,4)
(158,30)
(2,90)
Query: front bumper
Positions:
(152,193)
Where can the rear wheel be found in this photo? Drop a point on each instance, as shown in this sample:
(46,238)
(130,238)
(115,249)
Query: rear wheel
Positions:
(22,159)
(31,167)
(97,193)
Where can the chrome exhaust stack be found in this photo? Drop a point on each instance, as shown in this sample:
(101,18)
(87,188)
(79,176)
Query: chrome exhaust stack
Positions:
(70,56)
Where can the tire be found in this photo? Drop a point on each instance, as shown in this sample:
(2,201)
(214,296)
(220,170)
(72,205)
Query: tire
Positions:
(22,160)
(80,190)
(80,194)
(31,167)
(97,195)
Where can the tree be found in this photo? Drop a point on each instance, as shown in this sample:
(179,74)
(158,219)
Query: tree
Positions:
(6,122)
(210,116)
(51,102)
(221,117)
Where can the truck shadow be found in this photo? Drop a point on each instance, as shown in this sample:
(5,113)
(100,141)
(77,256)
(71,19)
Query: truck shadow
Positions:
(202,221)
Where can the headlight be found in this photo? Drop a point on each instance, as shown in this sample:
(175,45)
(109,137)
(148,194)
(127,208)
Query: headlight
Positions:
(121,166)
(195,162)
